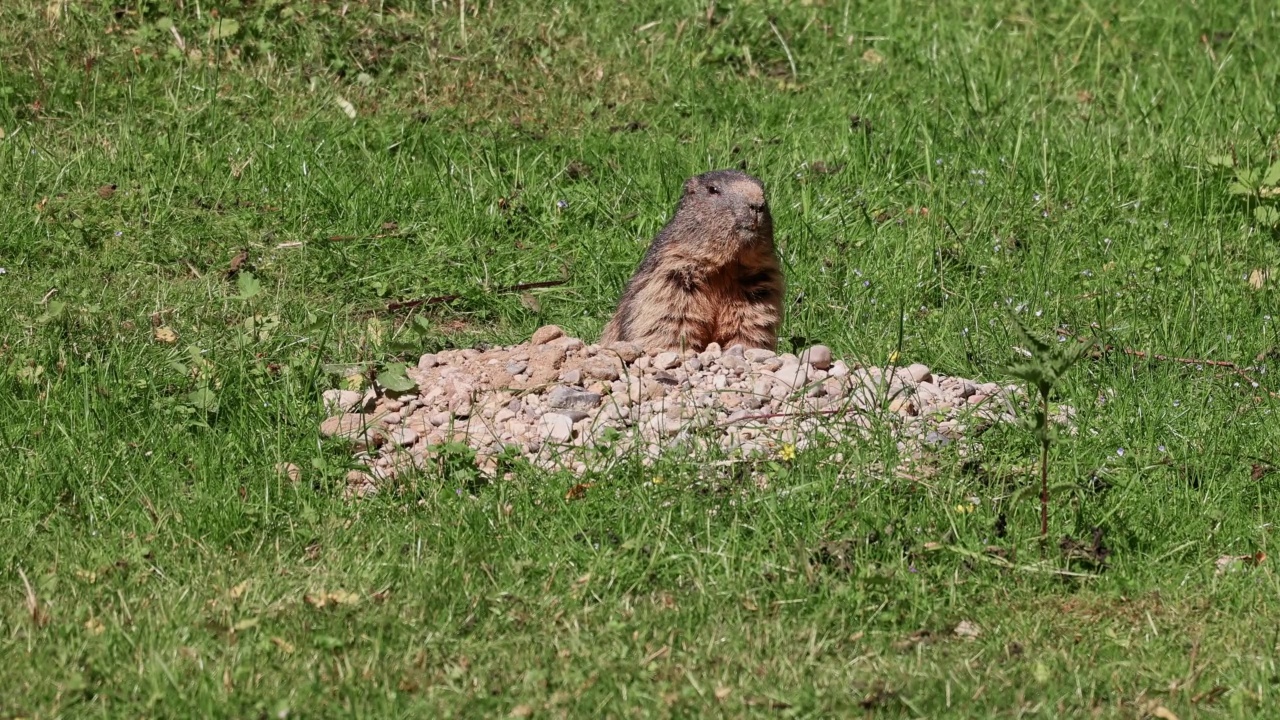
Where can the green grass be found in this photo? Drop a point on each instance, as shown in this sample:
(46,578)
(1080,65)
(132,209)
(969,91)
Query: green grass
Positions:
(1059,148)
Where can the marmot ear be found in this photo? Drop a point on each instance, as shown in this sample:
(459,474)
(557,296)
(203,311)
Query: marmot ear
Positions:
(690,186)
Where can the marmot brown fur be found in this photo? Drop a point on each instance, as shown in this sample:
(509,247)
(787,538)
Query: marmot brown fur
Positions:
(711,275)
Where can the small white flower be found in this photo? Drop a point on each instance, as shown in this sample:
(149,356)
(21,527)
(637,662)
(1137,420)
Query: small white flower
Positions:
(1120,452)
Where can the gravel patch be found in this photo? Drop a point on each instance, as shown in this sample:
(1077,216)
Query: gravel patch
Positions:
(561,404)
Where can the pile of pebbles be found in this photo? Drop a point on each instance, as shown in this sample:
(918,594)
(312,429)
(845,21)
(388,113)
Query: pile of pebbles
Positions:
(562,404)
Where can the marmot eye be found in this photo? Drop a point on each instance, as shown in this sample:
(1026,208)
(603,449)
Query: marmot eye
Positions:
(713,189)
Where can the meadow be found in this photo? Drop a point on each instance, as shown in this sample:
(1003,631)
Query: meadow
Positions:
(205,206)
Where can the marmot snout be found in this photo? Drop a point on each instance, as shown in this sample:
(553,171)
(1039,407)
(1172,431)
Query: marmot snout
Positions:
(711,275)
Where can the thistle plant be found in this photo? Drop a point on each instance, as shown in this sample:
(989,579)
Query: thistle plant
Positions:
(1045,366)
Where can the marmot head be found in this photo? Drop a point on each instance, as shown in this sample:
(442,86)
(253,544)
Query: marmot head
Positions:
(729,198)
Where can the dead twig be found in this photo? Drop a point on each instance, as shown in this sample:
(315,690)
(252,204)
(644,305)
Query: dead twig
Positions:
(1198,362)
(39,617)
(407,304)
(343,238)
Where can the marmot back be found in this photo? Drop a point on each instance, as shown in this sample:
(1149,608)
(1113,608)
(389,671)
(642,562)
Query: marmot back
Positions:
(711,275)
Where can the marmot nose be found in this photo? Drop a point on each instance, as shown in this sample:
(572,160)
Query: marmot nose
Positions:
(758,207)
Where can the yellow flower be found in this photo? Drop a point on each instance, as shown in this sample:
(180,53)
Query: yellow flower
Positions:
(658,480)
(787,452)
(964,508)
(893,357)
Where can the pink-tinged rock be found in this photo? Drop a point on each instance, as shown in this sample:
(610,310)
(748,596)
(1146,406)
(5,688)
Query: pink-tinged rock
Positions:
(546,334)
(919,373)
(819,356)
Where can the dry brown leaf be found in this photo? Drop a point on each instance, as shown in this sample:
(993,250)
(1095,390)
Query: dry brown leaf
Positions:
(345,105)
(54,10)
(521,711)
(966,629)
(166,335)
(94,626)
(722,692)
(337,597)
(344,597)
(1156,710)
(871,57)
(1258,278)
(285,646)
(106,191)
(39,616)
(577,492)
(530,302)
(237,592)
(238,262)
(1226,562)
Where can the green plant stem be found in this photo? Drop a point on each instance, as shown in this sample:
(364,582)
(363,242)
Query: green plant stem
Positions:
(1044,474)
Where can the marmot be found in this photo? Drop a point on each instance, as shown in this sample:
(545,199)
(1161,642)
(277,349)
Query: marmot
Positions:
(711,275)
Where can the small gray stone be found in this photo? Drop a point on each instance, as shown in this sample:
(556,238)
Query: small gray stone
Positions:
(936,439)
(792,375)
(517,366)
(570,344)
(601,368)
(758,354)
(627,351)
(572,377)
(572,398)
(732,362)
(555,427)
(428,361)
(666,360)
